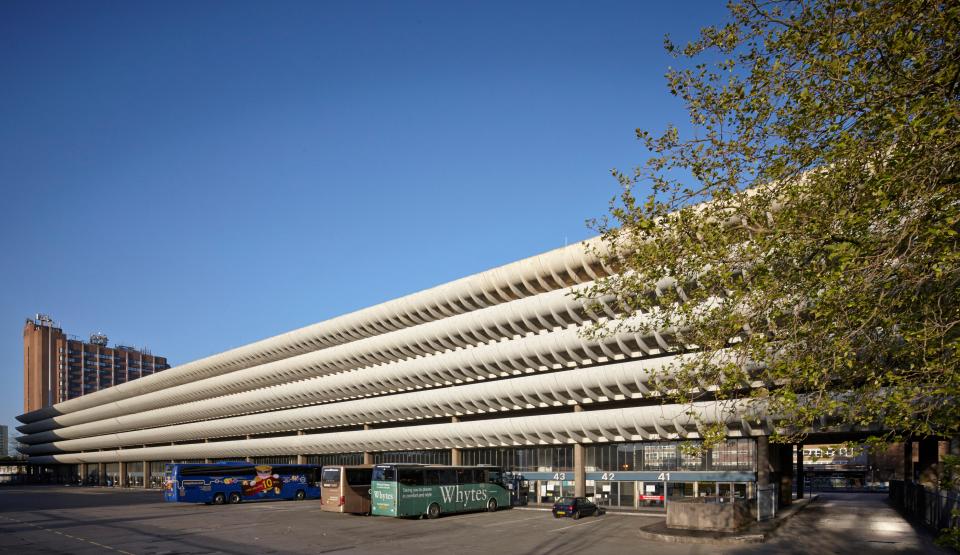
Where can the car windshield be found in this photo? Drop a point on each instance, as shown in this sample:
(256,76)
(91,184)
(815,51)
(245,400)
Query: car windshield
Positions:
(565,501)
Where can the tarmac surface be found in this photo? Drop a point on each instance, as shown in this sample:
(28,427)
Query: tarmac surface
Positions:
(47,519)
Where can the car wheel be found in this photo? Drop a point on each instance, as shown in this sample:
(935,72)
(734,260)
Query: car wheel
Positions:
(219,499)
(300,495)
(576,515)
(234,498)
(433,511)
(491,505)
(555,515)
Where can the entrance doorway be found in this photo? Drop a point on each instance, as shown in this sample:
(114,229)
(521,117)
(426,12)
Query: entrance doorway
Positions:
(615,495)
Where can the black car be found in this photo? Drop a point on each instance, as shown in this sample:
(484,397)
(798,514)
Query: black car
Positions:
(575,507)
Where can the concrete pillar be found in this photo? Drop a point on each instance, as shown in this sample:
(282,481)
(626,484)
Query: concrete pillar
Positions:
(247,458)
(579,465)
(146,474)
(455,452)
(101,474)
(123,474)
(785,451)
(800,471)
(367,455)
(83,473)
(579,471)
(763,461)
(301,459)
(928,464)
(205,459)
(907,460)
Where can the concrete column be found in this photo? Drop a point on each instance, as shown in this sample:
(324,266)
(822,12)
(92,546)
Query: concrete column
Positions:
(579,471)
(455,452)
(247,458)
(786,474)
(763,461)
(800,471)
(123,474)
(83,473)
(579,465)
(301,459)
(206,440)
(101,474)
(927,466)
(146,474)
(367,455)
(907,460)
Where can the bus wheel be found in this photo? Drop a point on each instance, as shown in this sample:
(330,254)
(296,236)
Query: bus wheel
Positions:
(433,511)
(300,495)
(219,499)
(492,505)
(234,498)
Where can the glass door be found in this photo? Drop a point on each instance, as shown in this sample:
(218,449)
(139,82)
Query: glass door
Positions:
(626,495)
(605,495)
(651,494)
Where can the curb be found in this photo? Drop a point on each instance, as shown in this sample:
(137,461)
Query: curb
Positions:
(677,538)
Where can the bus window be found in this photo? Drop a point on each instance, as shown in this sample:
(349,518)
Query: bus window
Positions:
(330,477)
(410,476)
(358,476)
(440,476)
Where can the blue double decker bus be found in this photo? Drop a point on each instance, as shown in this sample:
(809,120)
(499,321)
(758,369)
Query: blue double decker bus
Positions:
(233,482)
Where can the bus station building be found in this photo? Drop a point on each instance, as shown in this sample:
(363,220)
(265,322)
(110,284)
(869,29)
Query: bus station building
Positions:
(494,368)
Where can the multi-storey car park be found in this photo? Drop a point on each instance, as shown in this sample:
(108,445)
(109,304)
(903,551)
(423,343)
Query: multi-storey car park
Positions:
(488,369)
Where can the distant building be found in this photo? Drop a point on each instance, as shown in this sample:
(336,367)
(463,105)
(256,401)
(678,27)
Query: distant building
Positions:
(4,441)
(58,367)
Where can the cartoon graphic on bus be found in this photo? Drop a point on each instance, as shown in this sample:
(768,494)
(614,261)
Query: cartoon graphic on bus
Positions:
(265,481)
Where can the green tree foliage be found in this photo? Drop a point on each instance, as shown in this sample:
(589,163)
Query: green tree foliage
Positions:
(810,223)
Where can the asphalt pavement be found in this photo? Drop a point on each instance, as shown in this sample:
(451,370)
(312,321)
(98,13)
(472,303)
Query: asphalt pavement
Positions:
(99,520)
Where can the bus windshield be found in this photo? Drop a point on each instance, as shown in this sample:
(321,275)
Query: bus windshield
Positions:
(330,477)
(384,474)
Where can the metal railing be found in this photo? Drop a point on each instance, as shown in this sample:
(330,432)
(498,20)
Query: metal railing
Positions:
(932,508)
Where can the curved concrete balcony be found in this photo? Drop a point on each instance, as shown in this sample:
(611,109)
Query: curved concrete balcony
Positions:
(659,422)
(614,382)
(551,271)
(214,398)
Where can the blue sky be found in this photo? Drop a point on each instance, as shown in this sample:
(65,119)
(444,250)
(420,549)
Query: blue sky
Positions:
(193,176)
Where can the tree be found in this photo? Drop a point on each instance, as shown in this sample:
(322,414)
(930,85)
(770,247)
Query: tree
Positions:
(810,223)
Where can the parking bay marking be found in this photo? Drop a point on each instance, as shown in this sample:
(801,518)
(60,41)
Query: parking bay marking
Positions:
(538,517)
(45,529)
(574,526)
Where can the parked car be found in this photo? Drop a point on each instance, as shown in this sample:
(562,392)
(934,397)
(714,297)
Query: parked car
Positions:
(575,507)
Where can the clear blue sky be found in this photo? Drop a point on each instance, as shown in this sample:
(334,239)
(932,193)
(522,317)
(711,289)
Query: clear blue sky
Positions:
(193,176)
